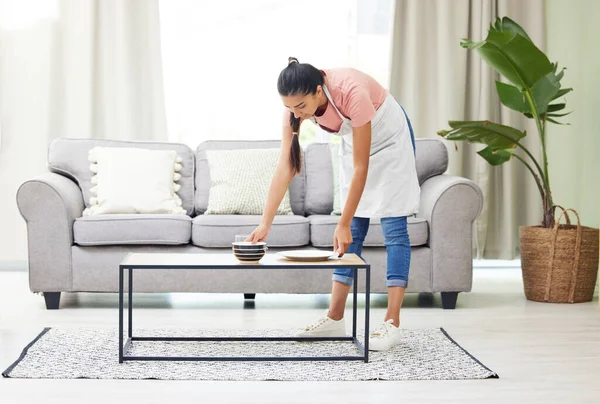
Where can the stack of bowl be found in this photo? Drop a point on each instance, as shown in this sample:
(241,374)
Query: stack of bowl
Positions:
(246,251)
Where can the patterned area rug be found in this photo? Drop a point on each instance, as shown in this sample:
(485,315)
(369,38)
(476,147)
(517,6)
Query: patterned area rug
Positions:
(93,354)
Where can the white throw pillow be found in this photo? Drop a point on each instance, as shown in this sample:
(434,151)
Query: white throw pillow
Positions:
(240,181)
(131,180)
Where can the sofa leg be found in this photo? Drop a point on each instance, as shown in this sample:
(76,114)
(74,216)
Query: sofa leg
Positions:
(52,300)
(425,299)
(249,296)
(449,300)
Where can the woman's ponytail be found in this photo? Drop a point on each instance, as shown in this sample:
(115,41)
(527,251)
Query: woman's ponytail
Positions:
(295,152)
(298,79)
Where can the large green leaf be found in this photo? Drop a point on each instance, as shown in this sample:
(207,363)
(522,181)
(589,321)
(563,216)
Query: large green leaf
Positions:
(509,50)
(506,24)
(512,97)
(495,157)
(513,55)
(547,89)
(498,137)
(543,91)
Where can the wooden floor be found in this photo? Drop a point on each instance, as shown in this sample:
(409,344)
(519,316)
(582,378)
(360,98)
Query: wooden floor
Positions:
(544,353)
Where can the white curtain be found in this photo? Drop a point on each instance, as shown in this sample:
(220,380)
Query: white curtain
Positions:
(109,70)
(72,68)
(437,81)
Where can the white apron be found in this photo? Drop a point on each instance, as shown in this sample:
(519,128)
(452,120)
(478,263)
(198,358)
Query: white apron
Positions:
(392,187)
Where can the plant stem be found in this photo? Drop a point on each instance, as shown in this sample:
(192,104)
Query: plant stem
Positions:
(548,214)
(535,176)
(542,129)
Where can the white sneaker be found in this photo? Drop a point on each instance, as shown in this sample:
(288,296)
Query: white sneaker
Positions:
(324,327)
(385,337)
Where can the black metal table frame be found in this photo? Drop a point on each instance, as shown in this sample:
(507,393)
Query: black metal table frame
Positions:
(362,348)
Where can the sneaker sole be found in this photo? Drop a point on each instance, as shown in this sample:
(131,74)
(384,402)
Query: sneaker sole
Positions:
(373,347)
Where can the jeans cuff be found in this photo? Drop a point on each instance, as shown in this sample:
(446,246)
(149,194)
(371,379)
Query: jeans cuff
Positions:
(346,280)
(396,282)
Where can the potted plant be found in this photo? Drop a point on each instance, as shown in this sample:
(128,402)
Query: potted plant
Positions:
(559,262)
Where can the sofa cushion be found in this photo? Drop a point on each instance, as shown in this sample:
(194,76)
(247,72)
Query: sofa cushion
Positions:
(134,180)
(116,229)
(319,179)
(220,230)
(203,182)
(70,158)
(322,228)
(431,158)
(240,181)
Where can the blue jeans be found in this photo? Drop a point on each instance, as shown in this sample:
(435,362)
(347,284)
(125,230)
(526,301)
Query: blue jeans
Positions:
(397,246)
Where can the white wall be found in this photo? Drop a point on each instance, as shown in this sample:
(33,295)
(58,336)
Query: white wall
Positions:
(574,163)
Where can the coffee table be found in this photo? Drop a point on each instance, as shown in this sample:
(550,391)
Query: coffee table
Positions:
(152,261)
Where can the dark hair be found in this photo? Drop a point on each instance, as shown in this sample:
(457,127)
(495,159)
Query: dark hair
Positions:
(298,78)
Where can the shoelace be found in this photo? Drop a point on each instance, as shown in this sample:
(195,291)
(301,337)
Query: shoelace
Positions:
(316,324)
(383,330)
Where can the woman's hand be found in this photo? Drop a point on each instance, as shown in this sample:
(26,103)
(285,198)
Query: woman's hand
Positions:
(259,234)
(342,239)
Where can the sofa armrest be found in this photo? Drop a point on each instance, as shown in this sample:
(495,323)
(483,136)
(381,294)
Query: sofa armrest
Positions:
(50,204)
(451,204)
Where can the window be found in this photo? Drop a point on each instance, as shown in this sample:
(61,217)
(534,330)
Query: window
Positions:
(221,59)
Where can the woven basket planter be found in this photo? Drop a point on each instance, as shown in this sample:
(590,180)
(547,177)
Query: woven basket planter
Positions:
(560,265)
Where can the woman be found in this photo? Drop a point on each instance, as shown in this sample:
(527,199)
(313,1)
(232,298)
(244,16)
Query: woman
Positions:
(378,179)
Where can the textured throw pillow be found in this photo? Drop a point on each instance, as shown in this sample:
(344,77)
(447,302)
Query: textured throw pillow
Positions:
(129,180)
(335,161)
(240,181)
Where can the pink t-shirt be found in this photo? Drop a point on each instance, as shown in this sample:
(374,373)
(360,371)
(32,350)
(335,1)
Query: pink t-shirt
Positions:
(356,94)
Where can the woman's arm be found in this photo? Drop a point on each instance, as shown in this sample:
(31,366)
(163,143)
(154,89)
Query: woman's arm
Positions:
(281,179)
(361,150)
(279,184)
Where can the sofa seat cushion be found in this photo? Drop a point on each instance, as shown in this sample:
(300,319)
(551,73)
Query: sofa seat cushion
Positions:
(216,231)
(322,228)
(118,229)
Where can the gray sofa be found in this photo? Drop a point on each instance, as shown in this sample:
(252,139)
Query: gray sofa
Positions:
(71,253)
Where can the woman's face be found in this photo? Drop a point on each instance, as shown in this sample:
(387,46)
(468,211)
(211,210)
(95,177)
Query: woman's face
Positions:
(303,106)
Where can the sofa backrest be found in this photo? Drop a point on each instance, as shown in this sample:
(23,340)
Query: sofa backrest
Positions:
(69,157)
(311,191)
(431,160)
(319,179)
(297,186)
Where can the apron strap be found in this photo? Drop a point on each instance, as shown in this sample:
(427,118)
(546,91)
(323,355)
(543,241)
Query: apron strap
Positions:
(328,95)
